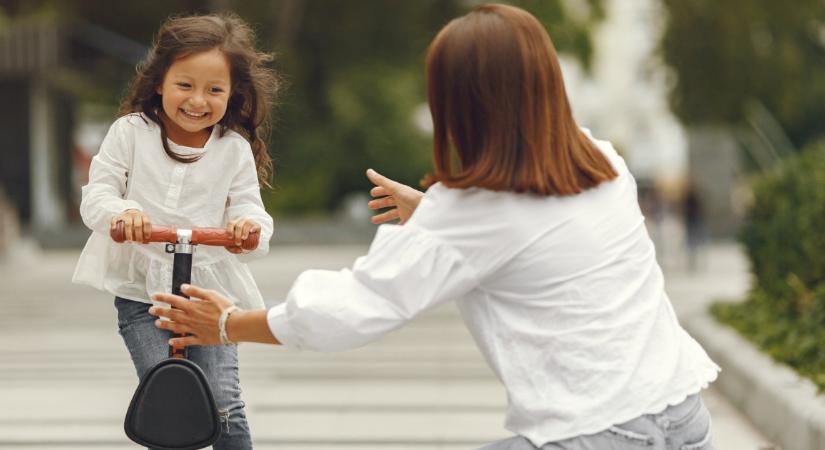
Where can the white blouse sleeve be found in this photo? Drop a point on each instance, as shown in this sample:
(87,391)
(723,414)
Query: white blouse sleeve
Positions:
(406,271)
(103,197)
(244,201)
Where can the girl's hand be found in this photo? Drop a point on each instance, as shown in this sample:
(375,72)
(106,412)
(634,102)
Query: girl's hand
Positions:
(240,230)
(197,316)
(136,225)
(400,198)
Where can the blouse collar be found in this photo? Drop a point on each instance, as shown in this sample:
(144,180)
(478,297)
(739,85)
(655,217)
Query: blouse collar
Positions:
(184,150)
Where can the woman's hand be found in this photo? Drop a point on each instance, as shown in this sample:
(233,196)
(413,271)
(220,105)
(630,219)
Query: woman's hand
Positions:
(400,198)
(197,315)
(240,230)
(136,225)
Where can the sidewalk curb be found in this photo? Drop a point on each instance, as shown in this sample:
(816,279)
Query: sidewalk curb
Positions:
(783,405)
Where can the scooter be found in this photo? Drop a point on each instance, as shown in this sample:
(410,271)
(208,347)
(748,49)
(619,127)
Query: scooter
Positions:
(173,407)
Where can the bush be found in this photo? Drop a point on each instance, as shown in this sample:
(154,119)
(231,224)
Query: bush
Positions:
(784,238)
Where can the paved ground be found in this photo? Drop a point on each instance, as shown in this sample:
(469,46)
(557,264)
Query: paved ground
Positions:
(66,379)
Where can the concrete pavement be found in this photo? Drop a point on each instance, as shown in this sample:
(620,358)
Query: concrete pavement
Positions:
(66,378)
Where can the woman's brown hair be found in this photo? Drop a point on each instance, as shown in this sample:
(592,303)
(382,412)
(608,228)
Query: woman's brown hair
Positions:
(253,85)
(497,97)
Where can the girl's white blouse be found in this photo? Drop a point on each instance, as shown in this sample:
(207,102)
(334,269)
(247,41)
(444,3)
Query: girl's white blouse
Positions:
(132,170)
(563,296)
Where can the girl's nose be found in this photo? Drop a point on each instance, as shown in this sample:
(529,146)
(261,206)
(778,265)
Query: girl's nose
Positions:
(197,101)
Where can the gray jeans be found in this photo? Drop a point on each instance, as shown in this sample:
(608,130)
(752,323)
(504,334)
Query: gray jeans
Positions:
(148,345)
(685,426)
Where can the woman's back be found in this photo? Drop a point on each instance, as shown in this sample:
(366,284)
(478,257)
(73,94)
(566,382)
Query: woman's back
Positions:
(570,308)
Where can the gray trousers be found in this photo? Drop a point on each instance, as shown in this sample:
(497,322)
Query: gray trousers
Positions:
(685,426)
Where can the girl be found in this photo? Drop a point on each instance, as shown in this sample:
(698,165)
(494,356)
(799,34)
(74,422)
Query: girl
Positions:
(187,150)
(532,225)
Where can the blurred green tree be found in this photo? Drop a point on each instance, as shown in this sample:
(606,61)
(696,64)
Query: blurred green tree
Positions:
(356,89)
(728,54)
(355,95)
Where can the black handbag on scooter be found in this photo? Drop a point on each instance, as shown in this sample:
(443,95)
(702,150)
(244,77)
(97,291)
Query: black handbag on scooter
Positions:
(173,408)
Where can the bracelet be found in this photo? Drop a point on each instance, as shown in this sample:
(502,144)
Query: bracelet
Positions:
(222,324)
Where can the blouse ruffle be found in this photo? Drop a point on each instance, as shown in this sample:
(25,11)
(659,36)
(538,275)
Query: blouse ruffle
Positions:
(136,271)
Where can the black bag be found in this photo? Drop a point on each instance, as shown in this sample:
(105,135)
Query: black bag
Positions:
(173,408)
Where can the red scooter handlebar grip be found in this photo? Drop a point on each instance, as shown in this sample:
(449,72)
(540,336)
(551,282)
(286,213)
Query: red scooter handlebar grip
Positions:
(117,234)
(159,234)
(223,238)
(200,236)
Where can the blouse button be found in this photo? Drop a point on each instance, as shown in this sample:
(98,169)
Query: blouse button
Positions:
(179,170)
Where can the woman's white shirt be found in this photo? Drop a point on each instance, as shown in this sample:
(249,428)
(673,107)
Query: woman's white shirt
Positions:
(132,171)
(563,296)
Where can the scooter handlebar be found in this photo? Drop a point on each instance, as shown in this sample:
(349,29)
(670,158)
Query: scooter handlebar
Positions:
(200,236)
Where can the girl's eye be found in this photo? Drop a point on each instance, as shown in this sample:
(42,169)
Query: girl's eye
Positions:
(217,90)
(183,85)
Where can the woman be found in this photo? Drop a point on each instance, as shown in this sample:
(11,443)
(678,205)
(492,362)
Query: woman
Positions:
(536,233)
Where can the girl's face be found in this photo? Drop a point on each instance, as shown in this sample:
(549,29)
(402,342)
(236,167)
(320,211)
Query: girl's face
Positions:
(195,92)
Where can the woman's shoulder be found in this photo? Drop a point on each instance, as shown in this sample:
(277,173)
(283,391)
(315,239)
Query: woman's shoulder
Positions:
(447,197)
(440,197)
(607,149)
(486,227)
(446,207)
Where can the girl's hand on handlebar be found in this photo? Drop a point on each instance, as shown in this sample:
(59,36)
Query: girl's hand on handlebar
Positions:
(136,225)
(240,230)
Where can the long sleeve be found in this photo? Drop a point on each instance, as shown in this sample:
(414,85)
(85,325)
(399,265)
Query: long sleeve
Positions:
(244,201)
(102,197)
(405,272)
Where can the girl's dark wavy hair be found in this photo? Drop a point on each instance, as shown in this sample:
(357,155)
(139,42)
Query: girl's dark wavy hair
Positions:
(253,90)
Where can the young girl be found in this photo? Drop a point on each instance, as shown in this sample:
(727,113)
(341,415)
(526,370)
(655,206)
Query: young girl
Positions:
(187,151)
(533,226)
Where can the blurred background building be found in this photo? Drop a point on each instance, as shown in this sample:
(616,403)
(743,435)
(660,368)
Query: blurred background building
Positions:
(44,69)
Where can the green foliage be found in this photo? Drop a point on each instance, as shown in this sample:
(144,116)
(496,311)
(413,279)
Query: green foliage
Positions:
(784,238)
(729,53)
(355,81)
(354,72)
(356,75)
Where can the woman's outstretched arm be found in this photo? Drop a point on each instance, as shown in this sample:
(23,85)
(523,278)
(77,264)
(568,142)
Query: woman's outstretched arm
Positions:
(407,271)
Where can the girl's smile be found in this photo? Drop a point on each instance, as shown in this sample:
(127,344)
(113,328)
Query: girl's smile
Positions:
(195,93)
(195,115)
